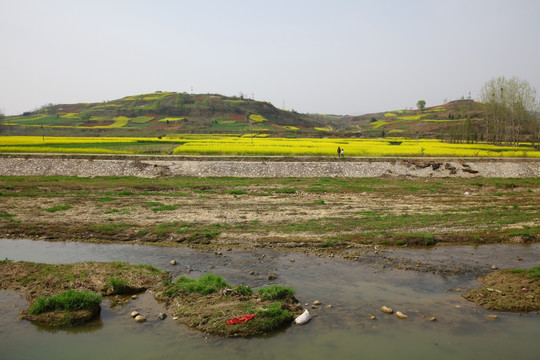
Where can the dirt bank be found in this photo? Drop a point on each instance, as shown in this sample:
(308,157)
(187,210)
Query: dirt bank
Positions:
(304,167)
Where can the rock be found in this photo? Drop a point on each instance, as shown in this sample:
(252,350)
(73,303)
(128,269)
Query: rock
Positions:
(493,267)
(140,318)
(162,316)
(492,317)
(433,318)
(272,277)
(316,303)
(251,272)
(175,318)
(291,260)
(329,306)
(466,193)
(172,262)
(401,315)
(387,310)
(133,297)
(134,313)
(372,317)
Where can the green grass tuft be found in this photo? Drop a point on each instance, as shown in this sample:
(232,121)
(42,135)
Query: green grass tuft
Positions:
(58,208)
(67,301)
(205,285)
(118,285)
(273,316)
(275,292)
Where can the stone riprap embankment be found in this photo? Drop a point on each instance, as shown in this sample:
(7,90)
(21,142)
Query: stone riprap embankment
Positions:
(156,166)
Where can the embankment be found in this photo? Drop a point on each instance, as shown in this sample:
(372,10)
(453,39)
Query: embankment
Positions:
(198,166)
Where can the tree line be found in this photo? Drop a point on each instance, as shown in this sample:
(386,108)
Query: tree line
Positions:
(510,115)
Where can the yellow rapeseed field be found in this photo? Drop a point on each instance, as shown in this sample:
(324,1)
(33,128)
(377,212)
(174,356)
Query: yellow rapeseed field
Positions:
(260,144)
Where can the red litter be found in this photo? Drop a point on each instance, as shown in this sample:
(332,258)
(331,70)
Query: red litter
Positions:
(239,320)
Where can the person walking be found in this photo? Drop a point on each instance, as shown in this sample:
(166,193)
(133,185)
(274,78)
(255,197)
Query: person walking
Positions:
(339,151)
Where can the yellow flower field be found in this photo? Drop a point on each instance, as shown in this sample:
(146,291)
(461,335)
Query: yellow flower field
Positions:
(258,144)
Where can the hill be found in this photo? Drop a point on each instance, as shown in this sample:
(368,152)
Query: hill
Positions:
(442,121)
(160,113)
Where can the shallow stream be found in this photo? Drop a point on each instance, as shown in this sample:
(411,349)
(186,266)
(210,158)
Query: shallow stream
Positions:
(355,289)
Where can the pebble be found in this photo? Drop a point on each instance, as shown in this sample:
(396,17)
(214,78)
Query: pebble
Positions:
(401,315)
(433,318)
(133,297)
(387,310)
(172,262)
(140,318)
(372,317)
(317,303)
(272,277)
(493,267)
(493,317)
(134,313)
(162,316)
(291,260)
(329,306)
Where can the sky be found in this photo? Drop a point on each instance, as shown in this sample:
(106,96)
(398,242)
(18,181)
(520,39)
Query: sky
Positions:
(330,57)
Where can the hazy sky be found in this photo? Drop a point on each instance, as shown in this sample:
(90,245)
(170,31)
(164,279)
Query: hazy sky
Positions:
(336,56)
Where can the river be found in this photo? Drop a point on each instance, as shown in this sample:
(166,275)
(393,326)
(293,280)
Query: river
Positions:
(355,289)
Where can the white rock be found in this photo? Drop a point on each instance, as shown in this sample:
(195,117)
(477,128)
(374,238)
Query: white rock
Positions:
(304,318)
(140,318)
(172,262)
(134,313)
(316,303)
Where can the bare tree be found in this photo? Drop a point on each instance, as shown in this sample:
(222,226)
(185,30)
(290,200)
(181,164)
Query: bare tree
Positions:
(510,104)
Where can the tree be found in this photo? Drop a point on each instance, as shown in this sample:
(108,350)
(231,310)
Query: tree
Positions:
(2,117)
(421,104)
(509,105)
(85,115)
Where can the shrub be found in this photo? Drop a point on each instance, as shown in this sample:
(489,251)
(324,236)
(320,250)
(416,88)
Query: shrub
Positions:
(275,292)
(69,300)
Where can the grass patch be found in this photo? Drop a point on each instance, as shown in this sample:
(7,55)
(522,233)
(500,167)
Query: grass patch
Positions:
(244,290)
(119,285)
(275,292)
(273,316)
(67,301)
(205,285)
(57,208)
(106,199)
(164,208)
(237,192)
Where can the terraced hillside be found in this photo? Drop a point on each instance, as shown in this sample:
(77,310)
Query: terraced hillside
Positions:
(162,113)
